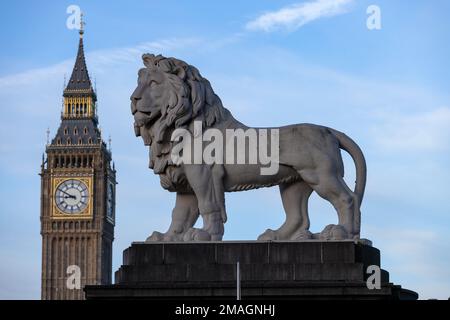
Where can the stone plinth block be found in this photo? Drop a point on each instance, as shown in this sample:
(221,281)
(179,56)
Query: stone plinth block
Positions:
(268,269)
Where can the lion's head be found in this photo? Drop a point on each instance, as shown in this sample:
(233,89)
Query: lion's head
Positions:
(171,94)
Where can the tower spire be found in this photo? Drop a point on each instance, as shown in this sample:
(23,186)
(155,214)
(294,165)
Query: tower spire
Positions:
(79,95)
(82,23)
(79,80)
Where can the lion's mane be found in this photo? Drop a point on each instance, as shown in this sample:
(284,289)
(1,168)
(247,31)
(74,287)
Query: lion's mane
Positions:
(190,98)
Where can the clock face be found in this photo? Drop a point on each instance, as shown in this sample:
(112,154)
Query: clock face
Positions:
(72,196)
(110,200)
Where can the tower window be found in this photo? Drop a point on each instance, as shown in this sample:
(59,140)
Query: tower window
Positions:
(80,141)
(85,130)
(75,131)
(66,131)
(58,141)
(69,141)
(90,141)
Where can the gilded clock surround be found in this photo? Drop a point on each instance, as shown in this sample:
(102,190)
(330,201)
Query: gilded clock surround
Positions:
(86,213)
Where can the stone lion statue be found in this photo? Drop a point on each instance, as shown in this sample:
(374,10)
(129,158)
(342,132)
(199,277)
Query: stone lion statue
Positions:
(172,94)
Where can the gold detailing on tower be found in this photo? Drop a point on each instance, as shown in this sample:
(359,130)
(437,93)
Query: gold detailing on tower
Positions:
(78,187)
(79,107)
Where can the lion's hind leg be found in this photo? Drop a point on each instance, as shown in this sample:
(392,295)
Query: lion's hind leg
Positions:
(330,185)
(295,203)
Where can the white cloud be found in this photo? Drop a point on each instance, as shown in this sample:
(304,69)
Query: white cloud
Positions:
(102,58)
(297,15)
(96,61)
(426,131)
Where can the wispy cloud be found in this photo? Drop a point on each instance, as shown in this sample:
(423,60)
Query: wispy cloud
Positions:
(297,15)
(98,60)
(132,54)
(425,131)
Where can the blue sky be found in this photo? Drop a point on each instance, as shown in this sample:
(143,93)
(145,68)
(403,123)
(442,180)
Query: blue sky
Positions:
(388,89)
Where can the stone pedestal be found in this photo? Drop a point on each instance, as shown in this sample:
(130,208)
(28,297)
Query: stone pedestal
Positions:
(269,270)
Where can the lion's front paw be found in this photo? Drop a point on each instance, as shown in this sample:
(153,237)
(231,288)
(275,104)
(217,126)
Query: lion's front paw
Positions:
(156,236)
(269,234)
(334,232)
(194,234)
(302,235)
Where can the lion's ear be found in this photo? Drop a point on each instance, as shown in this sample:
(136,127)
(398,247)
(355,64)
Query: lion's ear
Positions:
(148,59)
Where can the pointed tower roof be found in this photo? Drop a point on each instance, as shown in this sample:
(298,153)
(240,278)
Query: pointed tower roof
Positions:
(79,123)
(79,80)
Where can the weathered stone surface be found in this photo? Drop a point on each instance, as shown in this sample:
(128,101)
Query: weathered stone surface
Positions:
(343,252)
(269,270)
(137,255)
(232,252)
(296,252)
(329,272)
(185,253)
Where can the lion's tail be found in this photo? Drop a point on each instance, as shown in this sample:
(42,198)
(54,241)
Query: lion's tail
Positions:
(355,152)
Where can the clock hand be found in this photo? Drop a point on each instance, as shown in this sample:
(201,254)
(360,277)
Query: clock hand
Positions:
(68,195)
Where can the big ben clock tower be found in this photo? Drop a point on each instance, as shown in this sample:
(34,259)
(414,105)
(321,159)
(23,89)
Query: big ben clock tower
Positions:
(77,195)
